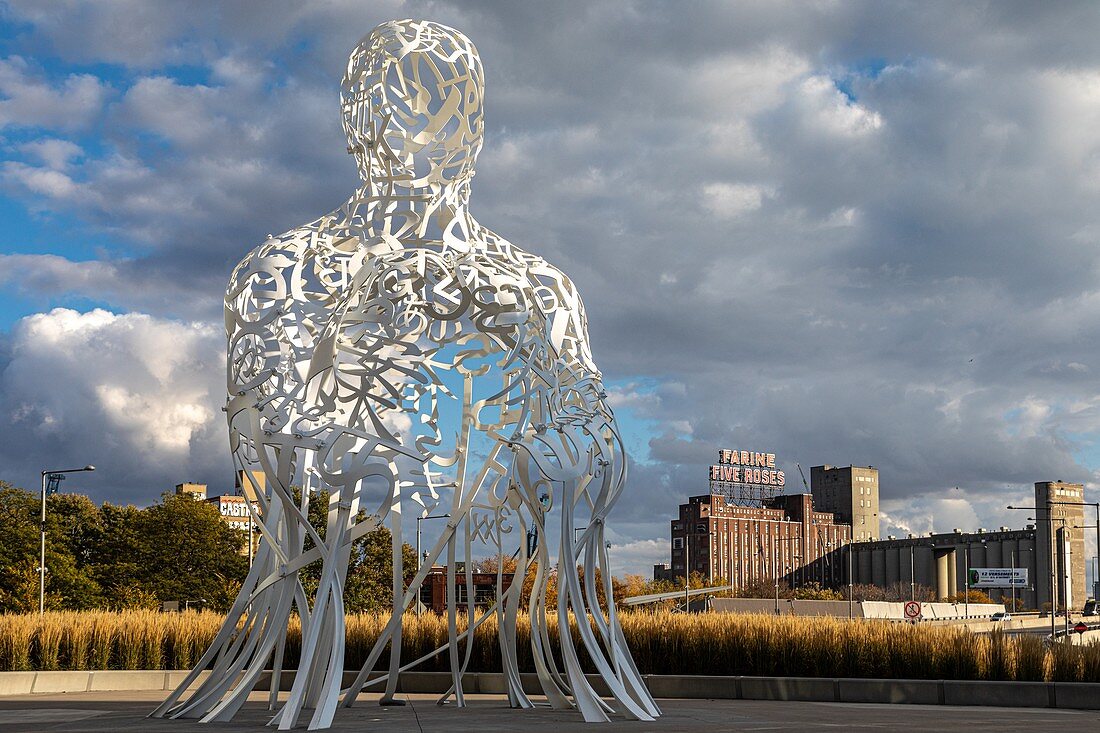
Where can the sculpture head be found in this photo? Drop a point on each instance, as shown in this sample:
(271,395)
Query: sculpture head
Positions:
(412,104)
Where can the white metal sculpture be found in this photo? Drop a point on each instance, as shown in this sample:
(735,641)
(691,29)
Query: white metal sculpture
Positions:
(413,360)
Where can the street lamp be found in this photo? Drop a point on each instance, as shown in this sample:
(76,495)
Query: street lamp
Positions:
(418,557)
(1053,563)
(1096,506)
(966,586)
(1012,562)
(687,572)
(912,573)
(1094,570)
(1053,576)
(775,570)
(851,541)
(53,477)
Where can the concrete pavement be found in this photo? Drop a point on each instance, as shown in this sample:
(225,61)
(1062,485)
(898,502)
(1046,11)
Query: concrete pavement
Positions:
(123,712)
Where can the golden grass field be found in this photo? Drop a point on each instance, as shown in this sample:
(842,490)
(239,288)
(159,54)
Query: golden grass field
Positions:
(662,643)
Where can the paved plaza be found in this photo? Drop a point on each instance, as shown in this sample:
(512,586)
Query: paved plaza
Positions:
(122,712)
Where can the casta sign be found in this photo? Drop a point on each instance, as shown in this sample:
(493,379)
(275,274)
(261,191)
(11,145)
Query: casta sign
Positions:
(746,467)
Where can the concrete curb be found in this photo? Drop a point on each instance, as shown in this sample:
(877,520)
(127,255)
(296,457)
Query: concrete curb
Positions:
(104,680)
(1069,695)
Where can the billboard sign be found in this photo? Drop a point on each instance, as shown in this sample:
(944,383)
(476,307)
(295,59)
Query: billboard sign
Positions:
(746,478)
(746,467)
(998,577)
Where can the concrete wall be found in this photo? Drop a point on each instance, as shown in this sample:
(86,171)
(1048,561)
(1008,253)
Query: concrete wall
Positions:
(939,561)
(862,609)
(26,683)
(1069,695)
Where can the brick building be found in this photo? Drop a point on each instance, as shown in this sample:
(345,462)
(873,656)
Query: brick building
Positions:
(745,544)
(433,593)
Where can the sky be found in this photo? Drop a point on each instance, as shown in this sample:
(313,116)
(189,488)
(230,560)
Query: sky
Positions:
(845,233)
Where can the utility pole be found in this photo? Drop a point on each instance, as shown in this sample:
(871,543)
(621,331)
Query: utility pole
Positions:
(687,572)
(1050,505)
(1012,562)
(52,477)
(419,603)
(850,543)
(1053,562)
(966,586)
(1053,577)
(1065,545)
(775,570)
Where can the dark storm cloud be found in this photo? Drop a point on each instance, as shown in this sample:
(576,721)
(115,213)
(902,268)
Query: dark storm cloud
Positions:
(850,233)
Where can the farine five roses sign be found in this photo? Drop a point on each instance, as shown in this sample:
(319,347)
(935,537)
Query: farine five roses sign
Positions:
(746,467)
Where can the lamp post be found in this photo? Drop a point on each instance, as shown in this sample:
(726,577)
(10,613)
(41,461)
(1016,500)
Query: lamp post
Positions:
(775,570)
(912,573)
(1053,565)
(966,586)
(1050,504)
(1095,505)
(49,476)
(850,543)
(1012,563)
(687,571)
(419,604)
(1054,576)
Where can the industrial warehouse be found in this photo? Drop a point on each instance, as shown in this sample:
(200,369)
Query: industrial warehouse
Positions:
(744,531)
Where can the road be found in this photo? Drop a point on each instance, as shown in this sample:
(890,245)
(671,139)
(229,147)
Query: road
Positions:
(123,712)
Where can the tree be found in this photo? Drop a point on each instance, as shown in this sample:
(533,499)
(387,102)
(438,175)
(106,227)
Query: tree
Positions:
(973,596)
(117,558)
(71,522)
(370,575)
(369,584)
(72,525)
(187,553)
(18,550)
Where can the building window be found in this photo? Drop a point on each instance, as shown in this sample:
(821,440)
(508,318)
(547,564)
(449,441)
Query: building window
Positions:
(677,526)
(677,543)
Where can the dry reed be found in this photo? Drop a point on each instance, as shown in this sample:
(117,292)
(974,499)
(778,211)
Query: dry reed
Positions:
(662,643)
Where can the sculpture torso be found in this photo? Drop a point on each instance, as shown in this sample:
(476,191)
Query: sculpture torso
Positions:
(340,328)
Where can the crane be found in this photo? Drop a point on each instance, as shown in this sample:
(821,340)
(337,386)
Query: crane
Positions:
(803,477)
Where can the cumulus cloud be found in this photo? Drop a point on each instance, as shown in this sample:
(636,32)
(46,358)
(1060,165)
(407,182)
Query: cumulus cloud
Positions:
(29,99)
(55,153)
(135,395)
(638,556)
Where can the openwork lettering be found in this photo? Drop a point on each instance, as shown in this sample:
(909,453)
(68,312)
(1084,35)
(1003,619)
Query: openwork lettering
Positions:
(410,361)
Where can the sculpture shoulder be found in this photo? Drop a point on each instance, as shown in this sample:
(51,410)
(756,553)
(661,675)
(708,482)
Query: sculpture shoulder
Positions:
(277,253)
(554,298)
(538,274)
(304,269)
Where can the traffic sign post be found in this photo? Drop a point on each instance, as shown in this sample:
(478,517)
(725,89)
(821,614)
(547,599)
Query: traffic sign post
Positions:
(912,611)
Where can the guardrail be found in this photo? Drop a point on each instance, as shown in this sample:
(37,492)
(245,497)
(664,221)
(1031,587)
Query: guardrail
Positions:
(671,595)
